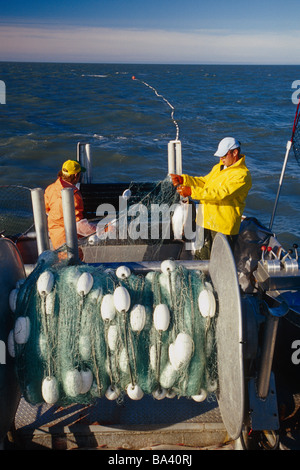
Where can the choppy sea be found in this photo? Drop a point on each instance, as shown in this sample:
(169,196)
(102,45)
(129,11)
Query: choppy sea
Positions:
(50,107)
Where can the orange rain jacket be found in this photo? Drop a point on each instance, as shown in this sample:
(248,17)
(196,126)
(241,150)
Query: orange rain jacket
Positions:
(54,210)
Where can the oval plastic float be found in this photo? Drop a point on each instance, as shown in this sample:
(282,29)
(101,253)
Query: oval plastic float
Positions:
(138,317)
(112,337)
(45,283)
(161,317)
(112,393)
(168,376)
(50,391)
(121,299)
(159,394)
(13,299)
(85,283)
(207,303)
(181,351)
(108,309)
(93,240)
(123,272)
(11,344)
(126,194)
(87,380)
(134,392)
(22,330)
(73,383)
(167,266)
(200,397)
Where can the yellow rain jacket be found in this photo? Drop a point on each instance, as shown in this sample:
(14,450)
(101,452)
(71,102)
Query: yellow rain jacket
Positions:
(222,196)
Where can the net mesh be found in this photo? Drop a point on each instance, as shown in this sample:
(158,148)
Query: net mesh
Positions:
(153,223)
(296,136)
(68,347)
(74,342)
(144,217)
(16,215)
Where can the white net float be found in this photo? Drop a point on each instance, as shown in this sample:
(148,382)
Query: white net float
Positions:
(85,283)
(161,317)
(207,303)
(121,299)
(45,283)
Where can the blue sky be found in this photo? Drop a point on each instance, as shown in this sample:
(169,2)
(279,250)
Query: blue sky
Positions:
(158,31)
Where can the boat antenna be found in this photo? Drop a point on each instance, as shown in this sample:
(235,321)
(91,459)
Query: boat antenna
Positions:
(296,148)
(165,100)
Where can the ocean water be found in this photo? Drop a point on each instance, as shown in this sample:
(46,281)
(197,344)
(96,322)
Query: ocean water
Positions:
(51,107)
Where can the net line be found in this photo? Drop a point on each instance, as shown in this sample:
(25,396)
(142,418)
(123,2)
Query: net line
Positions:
(16,213)
(296,135)
(165,100)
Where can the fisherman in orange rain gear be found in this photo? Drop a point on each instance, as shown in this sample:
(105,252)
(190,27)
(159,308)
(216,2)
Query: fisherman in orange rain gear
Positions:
(66,178)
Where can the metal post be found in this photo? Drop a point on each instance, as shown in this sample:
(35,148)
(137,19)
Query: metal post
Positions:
(174,157)
(40,220)
(67,195)
(88,163)
(288,148)
(267,356)
(178,157)
(171,158)
(143,267)
(84,158)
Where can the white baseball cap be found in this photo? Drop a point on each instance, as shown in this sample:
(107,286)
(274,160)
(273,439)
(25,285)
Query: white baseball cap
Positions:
(226,144)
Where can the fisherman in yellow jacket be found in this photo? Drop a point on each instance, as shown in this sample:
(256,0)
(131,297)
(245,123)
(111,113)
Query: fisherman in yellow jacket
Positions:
(221,194)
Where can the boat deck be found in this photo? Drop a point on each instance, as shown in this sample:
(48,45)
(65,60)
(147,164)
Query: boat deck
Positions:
(148,424)
(125,425)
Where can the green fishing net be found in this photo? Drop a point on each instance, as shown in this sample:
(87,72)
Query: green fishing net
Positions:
(152,223)
(70,348)
(16,214)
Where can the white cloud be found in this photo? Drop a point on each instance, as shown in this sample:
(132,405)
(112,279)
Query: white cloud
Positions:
(83,44)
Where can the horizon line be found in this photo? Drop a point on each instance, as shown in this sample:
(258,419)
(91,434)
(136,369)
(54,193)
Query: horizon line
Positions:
(151,63)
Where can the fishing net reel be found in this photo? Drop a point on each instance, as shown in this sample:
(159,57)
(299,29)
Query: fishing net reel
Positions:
(67,346)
